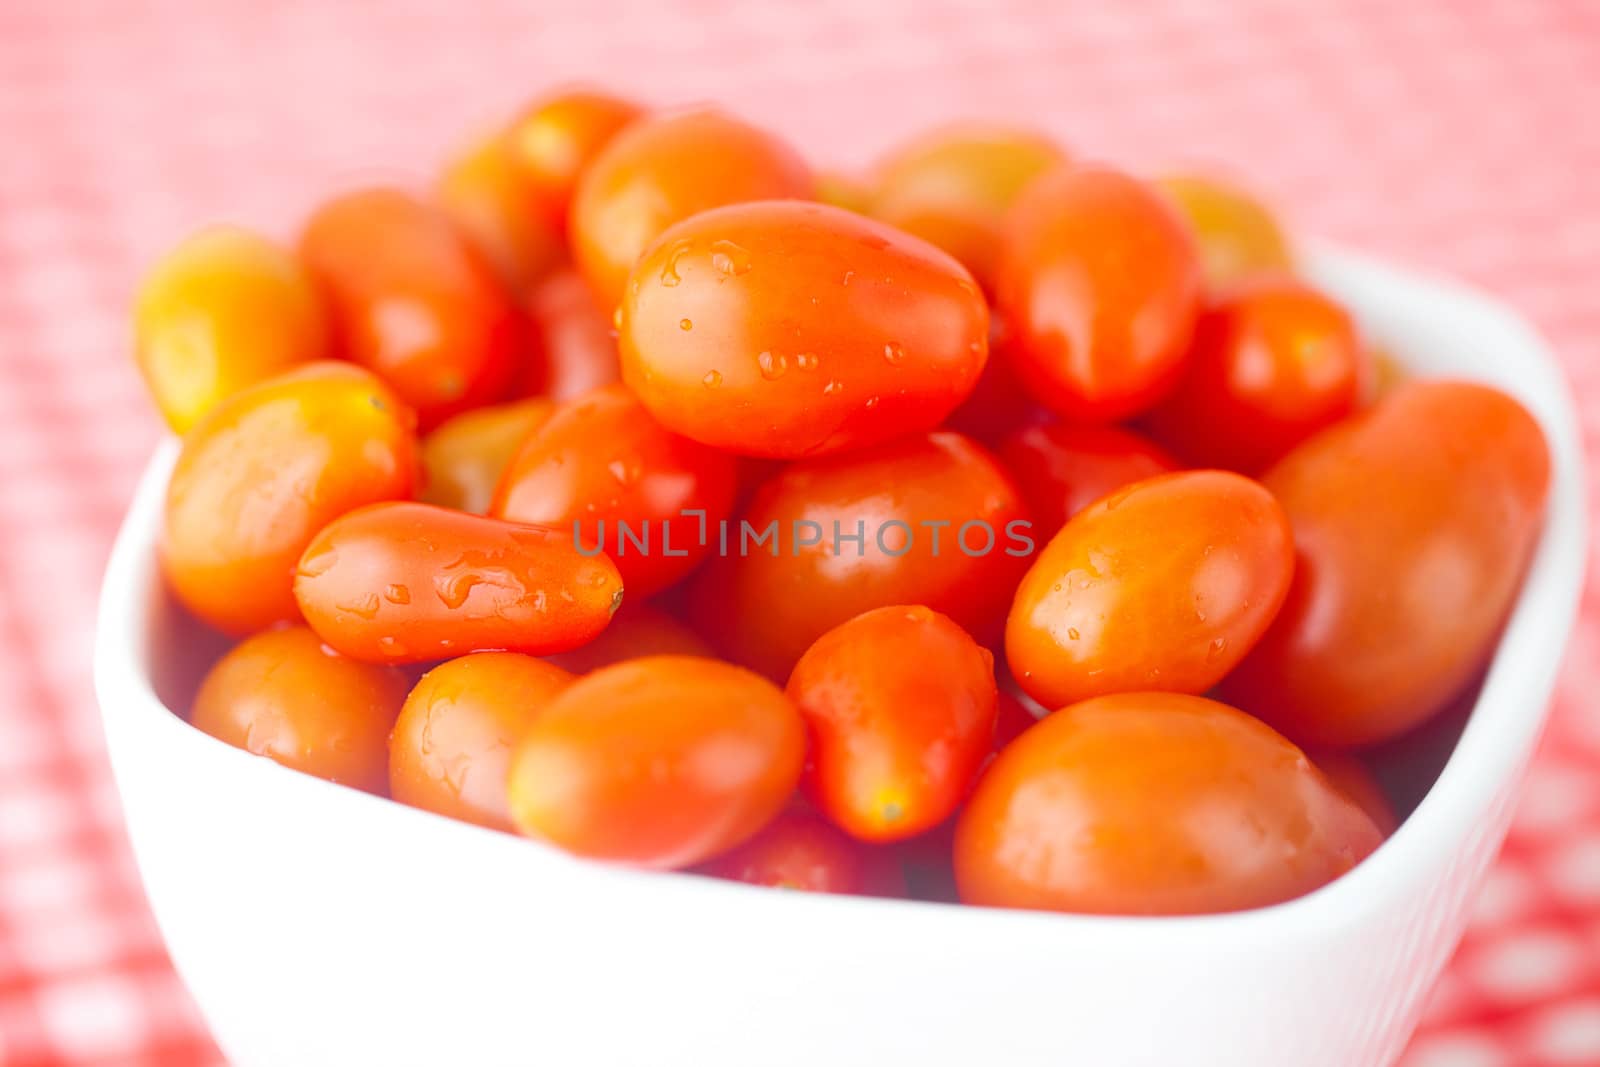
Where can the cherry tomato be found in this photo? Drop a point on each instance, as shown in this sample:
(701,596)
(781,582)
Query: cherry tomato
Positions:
(1011,721)
(222,311)
(789,329)
(603,468)
(662,169)
(900,705)
(801,851)
(1238,235)
(999,404)
(1273,362)
(1099,282)
(844,190)
(577,343)
(463,458)
(285,695)
(1388,373)
(407,583)
(660,762)
(763,604)
(1352,778)
(1154,804)
(1413,522)
(413,301)
(556,139)
(1163,585)
(451,748)
(636,631)
(263,472)
(487,195)
(1062,467)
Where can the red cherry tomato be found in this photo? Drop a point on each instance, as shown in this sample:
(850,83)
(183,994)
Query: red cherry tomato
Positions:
(602,467)
(463,458)
(800,851)
(285,695)
(1352,778)
(1012,721)
(1158,804)
(1413,523)
(1273,362)
(1163,585)
(662,169)
(1099,283)
(451,748)
(413,301)
(636,631)
(1062,468)
(577,343)
(900,705)
(263,472)
(789,329)
(407,583)
(763,604)
(557,138)
(1238,234)
(661,762)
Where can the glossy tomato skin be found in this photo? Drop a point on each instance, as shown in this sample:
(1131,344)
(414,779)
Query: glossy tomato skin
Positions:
(408,583)
(1352,778)
(1238,235)
(222,311)
(789,329)
(1413,523)
(413,301)
(263,472)
(575,340)
(662,762)
(1163,585)
(602,467)
(764,609)
(1094,337)
(636,631)
(487,196)
(464,456)
(1153,804)
(285,695)
(1273,362)
(1063,467)
(555,139)
(450,751)
(797,850)
(900,706)
(663,169)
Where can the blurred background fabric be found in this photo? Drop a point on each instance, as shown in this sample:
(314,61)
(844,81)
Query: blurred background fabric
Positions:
(1458,137)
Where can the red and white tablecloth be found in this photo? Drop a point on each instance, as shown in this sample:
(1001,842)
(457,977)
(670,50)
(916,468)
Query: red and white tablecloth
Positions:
(1457,136)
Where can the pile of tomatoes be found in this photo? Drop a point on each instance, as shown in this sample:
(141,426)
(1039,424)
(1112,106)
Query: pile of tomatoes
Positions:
(999,518)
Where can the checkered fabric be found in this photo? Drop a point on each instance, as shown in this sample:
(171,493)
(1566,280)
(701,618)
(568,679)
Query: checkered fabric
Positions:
(1457,136)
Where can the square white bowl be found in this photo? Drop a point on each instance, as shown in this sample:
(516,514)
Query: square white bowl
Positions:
(319,925)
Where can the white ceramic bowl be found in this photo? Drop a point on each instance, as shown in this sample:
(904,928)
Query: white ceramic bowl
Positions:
(319,925)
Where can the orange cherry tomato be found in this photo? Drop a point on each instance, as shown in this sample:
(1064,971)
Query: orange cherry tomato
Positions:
(1238,234)
(1099,282)
(801,851)
(660,762)
(1273,362)
(1413,523)
(1352,778)
(789,329)
(1163,585)
(1063,467)
(636,631)
(407,583)
(263,472)
(900,705)
(603,468)
(463,458)
(222,311)
(556,139)
(909,522)
(285,695)
(844,190)
(413,300)
(1154,804)
(451,748)
(662,169)
(487,195)
(577,342)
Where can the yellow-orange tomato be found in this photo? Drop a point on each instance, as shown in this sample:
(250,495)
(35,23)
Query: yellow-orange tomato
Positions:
(487,195)
(413,300)
(927,520)
(790,329)
(463,458)
(1153,804)
(285,695)
(576,342)
(662,169)
(1163,585)
(1099,283)
(900,705)
(660,762)
(408,583)
(636,631)
(1238,234)
(451,747)
(1354,780)
(1413,522)
(843,190)
(263,472)
(556,139)
(223,310)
